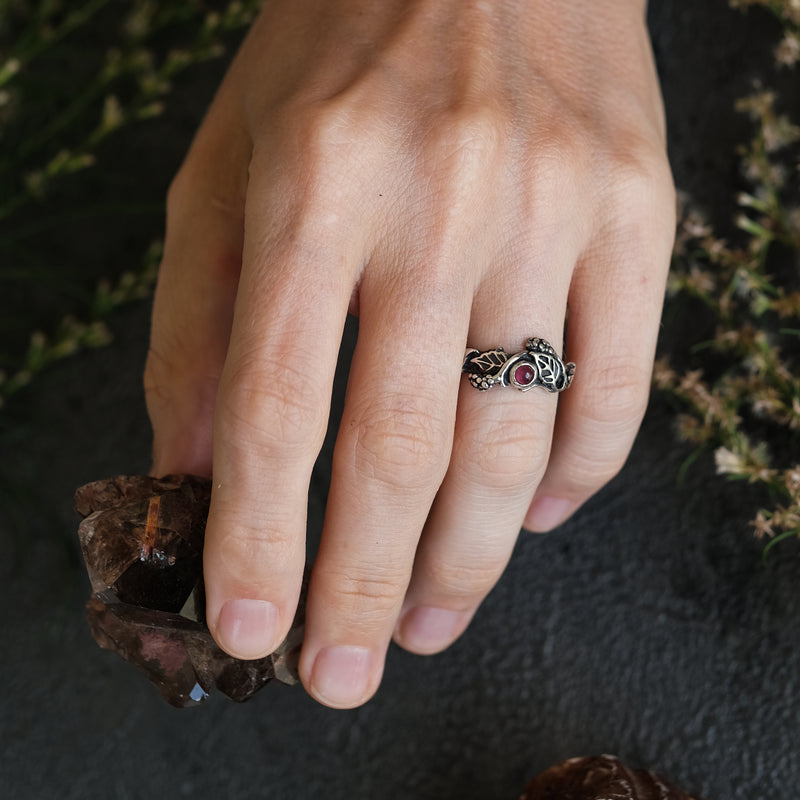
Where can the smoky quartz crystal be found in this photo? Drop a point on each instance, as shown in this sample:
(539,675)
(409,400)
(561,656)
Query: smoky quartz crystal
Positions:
(601,778)
(142,542)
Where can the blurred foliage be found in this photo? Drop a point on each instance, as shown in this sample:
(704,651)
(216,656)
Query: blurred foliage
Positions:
(75,78)
(739,390)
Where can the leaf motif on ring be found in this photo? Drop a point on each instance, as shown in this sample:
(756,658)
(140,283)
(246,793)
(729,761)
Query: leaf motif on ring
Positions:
(490,360)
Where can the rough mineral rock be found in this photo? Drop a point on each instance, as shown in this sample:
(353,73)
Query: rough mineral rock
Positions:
(600,778)
(142,541)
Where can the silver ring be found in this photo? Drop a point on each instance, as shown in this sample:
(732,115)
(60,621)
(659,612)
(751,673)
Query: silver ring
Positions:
(537,365)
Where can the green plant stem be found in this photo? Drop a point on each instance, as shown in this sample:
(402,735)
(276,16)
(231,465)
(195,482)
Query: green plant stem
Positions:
(32,43)
(781,537)
(59,124)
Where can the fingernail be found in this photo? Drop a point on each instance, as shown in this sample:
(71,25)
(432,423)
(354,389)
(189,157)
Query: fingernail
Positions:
(246,628)
(547,513)
(341,675)
(428,630)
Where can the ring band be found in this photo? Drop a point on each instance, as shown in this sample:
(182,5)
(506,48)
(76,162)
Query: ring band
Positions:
(537,365)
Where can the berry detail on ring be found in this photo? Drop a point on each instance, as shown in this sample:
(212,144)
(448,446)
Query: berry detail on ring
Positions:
(537,365)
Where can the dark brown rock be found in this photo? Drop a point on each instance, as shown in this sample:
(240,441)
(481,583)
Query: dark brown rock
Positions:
(142,541)
(146,548)
(600,778)
(161,645)
(98,495)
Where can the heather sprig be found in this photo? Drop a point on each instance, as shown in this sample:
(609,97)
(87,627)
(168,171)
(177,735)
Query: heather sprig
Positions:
(71,335)
(738,390)
(51,129)
(740,394)
(787,53)
(55,151)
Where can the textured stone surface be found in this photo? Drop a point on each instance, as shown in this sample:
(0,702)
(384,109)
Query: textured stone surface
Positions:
(600,778)
(142,543)
(142,538)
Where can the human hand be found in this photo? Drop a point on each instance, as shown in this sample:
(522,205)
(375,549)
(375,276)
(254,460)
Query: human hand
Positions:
(456,172)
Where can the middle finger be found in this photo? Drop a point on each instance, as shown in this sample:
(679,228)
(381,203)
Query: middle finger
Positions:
(391,454)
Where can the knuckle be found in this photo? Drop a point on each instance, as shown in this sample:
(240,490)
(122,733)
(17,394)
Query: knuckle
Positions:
(174,380)
(471,137)
(192,204)
(222,186)
(554,168)
(370,599)
(462,150)
(505,454)
(465,581)
(264,405)
(324,129)
(609,422)
(645,196)
(639,179)
(330,131)
(400,443)
(329,146)
(620,391)
(590,471)
(562,147)
(252,553)
(194,189)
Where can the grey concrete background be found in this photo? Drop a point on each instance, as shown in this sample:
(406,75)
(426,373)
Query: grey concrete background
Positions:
(647,627)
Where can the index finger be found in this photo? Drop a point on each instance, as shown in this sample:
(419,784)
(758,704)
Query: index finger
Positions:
(270,419)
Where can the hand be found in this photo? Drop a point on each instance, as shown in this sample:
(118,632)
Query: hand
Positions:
(456,172)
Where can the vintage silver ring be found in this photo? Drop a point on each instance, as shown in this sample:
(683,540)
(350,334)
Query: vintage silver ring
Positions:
(537,365)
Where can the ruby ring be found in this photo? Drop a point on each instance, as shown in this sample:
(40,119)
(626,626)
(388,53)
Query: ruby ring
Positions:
(537,365)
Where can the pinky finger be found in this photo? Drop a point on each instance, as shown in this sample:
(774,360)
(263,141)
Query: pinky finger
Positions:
(615,308)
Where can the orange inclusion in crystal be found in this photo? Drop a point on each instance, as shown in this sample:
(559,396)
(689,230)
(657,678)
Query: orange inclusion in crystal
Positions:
(151,527)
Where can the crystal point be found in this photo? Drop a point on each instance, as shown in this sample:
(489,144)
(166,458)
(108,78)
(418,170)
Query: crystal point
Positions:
(142,541)
(598,778)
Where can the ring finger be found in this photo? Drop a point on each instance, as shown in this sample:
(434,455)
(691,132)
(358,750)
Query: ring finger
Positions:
(500,452)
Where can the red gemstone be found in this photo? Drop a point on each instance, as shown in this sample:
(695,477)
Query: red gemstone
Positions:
(524,375)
